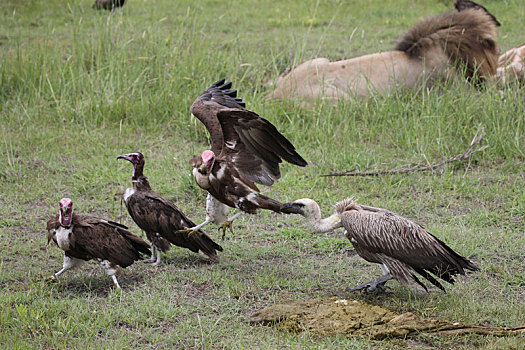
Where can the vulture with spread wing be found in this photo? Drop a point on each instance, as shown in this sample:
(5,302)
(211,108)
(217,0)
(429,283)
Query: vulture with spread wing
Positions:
(85,237)
(245,149)
(401,246)
(160,218)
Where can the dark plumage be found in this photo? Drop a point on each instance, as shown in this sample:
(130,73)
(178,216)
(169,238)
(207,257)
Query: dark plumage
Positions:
(400,245)
(160,218)
(85,237)
(462,5)
(245,149)
(108,4)
(468,37)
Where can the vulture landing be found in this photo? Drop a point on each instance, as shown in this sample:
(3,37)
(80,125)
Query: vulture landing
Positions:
(84,237)
(401,246)
(245,149)
(160,218)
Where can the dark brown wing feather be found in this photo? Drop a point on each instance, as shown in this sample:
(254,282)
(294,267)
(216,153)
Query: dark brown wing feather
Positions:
(252,143)
(383,232)
(218,96)
(152,213)
(97,238)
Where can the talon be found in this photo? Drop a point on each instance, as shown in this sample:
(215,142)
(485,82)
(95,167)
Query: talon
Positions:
(225,226)
(189,231)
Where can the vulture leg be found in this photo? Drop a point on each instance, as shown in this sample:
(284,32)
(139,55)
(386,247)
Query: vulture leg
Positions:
(153,255)
(195,229)
(374,286)
(157,260)
(228,224)
(111,270)
(69,263)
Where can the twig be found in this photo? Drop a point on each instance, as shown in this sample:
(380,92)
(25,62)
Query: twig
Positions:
(420,167)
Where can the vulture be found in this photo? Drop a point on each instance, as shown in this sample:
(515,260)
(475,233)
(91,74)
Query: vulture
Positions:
(85,237)
(401,246)
(462,5)
(160,218)
(108,4)
(245,149)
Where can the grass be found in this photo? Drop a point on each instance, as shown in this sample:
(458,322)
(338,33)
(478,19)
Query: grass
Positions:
(79,87)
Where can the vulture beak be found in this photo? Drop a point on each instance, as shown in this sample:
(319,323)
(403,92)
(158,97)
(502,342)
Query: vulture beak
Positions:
(129,157)
(125,156)
(66,212)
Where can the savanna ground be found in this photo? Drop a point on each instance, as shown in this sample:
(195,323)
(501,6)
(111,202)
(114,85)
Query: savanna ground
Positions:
(79,87)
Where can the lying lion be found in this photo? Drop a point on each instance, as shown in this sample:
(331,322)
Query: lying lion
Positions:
(436,48)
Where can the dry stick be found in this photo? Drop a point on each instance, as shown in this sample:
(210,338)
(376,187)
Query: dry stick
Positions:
(468,152)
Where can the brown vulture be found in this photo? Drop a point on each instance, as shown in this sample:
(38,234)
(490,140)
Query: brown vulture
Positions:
(85,237)
(462,5)
(245,149)
(401,246)
(160,218)
(108,4)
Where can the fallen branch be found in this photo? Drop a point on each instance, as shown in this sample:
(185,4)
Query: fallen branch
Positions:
(420,167)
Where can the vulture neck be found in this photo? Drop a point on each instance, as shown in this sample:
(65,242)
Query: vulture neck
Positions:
(141,183)
(138,170)
(319,224)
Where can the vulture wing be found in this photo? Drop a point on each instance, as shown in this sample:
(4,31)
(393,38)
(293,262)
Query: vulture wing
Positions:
(382,232)
(99,238)
(218,96)
(252,143)
(152,213)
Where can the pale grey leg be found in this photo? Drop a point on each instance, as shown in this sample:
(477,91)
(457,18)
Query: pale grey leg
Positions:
(69,263)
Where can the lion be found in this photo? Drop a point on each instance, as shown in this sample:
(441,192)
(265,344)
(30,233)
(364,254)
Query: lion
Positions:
(437,48)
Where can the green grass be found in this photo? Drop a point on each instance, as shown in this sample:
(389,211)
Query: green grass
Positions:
(79,87)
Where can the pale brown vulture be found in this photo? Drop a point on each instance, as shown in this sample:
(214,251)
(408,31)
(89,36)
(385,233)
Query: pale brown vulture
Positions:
(85,237)
(160,218)
(245,149)
(401,246)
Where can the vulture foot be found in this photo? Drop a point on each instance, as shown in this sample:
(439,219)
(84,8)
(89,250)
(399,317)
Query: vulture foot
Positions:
(227,225)
(375,286)
(190,231)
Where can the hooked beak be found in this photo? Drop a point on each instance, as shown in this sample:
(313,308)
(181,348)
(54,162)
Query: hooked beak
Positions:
(125,156)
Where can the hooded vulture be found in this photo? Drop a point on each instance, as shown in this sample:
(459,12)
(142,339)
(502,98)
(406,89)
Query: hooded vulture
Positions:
(85,237)
(160,218)
(401,246)
(245,149)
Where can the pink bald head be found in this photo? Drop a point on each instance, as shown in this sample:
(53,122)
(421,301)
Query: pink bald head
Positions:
(66,212)
(207,156)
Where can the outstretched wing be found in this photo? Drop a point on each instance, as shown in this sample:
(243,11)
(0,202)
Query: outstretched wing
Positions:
(215,98)
(250,142)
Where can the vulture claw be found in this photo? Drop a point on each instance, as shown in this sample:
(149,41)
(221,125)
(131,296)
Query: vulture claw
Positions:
(190,231)
(227,225)
(376,286)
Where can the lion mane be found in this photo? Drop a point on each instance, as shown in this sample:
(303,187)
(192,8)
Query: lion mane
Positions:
(437,48)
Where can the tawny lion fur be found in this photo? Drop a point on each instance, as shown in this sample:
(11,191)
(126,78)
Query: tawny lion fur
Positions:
(434,49)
